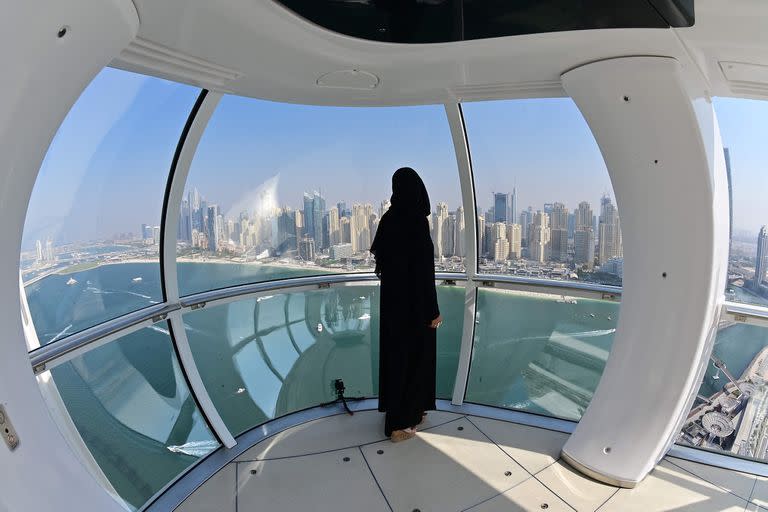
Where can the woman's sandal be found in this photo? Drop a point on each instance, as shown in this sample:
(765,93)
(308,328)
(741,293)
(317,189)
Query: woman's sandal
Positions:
(402,435)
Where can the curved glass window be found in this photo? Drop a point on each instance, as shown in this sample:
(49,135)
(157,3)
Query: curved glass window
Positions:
(265,357)
(91,236)
(278,190)
(543,192)
(538,352)
(729,412)
(742,126)
(126,410)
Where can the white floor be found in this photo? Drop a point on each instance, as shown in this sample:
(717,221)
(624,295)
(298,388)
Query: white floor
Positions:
(455,463)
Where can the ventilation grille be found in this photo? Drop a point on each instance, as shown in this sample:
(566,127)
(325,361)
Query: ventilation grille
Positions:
(537,89)
(152,58)
(746,78)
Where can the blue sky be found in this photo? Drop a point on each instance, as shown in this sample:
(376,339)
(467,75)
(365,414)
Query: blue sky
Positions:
(105,171)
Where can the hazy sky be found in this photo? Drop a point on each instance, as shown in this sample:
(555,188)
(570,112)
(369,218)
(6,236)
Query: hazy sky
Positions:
(106,169)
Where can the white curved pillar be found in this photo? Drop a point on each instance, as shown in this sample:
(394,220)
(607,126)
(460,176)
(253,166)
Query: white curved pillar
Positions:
(43,74)
(658,135)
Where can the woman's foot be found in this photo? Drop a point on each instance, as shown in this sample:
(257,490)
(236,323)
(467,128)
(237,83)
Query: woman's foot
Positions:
(423,417)
(402,435)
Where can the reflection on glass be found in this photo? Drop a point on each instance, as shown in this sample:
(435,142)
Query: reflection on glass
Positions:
(542,189)
(278,191)
(538,352)
(729,414)
(742,125)
(132,409)
(90,246)
(269,356)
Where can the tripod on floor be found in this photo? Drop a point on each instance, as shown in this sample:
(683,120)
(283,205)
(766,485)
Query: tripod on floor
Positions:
(338,386)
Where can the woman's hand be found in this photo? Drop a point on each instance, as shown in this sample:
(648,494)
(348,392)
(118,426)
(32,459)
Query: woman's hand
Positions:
(436,322)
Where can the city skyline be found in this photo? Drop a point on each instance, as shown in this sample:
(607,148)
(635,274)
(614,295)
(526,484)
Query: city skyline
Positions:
(106,169)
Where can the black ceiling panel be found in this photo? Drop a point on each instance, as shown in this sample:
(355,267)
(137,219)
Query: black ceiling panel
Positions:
(440,21)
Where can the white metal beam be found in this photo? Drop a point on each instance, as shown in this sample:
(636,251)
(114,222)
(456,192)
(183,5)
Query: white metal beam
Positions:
(466,181)
(659,139)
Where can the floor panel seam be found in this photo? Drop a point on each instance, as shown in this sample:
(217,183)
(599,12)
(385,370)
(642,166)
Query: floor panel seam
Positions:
(499,447)
(373,475)
(752,492)
(713,483)
(608,499)
(553,492)
(237,486)
(495,495)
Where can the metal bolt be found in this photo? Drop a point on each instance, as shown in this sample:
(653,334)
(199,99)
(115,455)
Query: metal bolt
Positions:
(2,418)
(626,99)
(62,32)
(460,428)
(507,473)
(544,505)
(379,451)
(345,459)
(664,275)
(607,450)
(254,471)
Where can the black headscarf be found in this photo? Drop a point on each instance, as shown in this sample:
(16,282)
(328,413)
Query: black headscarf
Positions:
(409,195)
(405,223)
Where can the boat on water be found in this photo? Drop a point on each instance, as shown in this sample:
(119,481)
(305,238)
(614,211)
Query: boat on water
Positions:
(71,281)
(137,279)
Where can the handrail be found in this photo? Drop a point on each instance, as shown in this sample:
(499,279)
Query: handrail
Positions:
(42,357)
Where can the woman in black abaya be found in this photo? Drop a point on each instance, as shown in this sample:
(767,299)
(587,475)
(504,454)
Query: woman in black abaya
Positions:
(409,313)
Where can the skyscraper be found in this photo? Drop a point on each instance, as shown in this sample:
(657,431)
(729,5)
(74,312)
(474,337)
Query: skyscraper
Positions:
(439,225)
(38,251)
(761,258)
(481,235)
(559,233)
(512,215)
(359,226)
(540,237)
(459,234)
(526,217)
(514,237)
(609,232)
(500,207)
(385,204)
(584,247)
(334,228)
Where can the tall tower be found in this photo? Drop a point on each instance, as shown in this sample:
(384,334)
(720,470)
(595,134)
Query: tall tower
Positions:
(438,229)
(514,237)
(761,259)
(334,228)
(584,236)
(559,232)
(500,207)
(609,232)
(459,241)
(512,215)
(540,237)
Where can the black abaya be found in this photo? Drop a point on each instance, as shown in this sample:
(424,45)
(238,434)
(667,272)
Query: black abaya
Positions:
(405,265)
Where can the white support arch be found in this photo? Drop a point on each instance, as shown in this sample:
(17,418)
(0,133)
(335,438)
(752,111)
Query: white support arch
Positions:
(45,69)
(658,135)
(466,181)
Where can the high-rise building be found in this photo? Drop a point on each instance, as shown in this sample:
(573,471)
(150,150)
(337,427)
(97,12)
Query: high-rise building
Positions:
(49,256)
(540,237)
(213,228)
(500,207)
(360,230)
(334,227)
(761,258)
(439,228)
(512,215)
(515,238)
(341,251)
(500,250)
(558,223)
(346,231)
(526,217)
(341,207)
(481,239)
(459,234)
(284,232)
(307,248)
(609,232)
(156,235)
(584,216)
(584,247)
(449,235)
(385,204)
(38,251)
(146,232)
